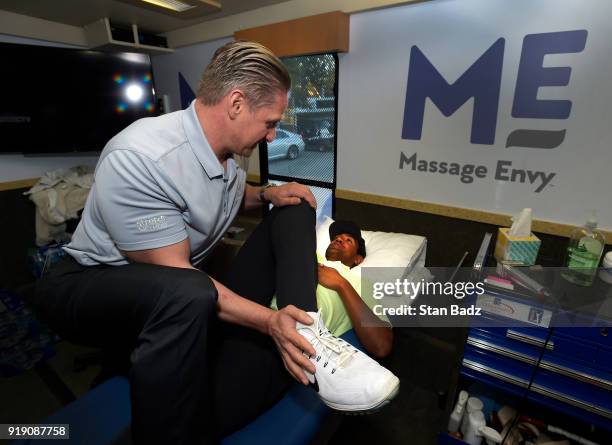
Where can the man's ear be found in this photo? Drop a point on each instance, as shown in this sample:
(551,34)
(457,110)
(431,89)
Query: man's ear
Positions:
(236,103)
(358,260)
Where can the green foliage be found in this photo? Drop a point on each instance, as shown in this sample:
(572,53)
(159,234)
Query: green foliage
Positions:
(311,76)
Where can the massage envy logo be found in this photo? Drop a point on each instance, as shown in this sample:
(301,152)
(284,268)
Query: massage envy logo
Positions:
(467,172)
(481,81)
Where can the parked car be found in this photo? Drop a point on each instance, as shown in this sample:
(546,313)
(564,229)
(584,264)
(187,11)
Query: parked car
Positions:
(321,139)
(285,145)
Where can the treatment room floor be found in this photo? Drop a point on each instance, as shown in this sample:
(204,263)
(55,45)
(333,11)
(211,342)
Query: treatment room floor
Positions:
(424,366)
(27,399)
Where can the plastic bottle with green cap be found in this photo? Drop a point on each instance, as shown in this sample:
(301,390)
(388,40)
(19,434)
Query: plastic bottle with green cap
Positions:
(584,251)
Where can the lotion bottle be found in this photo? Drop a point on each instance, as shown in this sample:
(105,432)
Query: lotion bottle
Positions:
(457,415)
(584,251)
(473,404)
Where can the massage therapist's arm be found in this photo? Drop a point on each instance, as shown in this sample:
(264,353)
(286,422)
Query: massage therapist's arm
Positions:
(236,309)
(287,194)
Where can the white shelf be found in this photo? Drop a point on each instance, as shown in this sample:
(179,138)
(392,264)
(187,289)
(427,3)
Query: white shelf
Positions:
(99,36)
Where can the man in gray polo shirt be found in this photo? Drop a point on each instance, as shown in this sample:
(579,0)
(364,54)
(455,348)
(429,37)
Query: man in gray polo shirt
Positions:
(165,191)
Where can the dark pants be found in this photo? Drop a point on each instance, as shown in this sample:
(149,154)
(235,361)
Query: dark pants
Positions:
(191,375)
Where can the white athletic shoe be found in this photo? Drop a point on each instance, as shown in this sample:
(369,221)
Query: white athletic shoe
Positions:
(346,378)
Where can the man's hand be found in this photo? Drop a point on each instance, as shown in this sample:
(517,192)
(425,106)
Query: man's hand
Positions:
(290,344)
(330,278)
(290,194)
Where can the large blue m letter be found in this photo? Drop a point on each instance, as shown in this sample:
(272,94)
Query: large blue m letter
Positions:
(481,81)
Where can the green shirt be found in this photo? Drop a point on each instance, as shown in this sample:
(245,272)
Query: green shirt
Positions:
(330,303)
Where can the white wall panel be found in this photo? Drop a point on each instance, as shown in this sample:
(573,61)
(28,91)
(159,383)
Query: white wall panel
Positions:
(453,34)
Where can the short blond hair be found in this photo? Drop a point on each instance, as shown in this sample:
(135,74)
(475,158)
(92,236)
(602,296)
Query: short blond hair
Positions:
(249,66)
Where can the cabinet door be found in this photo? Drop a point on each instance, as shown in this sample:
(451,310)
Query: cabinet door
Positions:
(600,335)
(566,394)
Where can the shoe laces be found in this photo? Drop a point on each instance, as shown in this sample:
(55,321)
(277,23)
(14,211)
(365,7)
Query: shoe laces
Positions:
(332,344)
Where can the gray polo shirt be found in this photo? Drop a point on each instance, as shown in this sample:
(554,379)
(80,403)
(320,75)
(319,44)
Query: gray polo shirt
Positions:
(156,183)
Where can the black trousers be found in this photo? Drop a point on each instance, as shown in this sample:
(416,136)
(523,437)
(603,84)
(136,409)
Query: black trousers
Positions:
(193,378)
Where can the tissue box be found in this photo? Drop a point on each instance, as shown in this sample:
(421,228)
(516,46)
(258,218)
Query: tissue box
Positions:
(523,249)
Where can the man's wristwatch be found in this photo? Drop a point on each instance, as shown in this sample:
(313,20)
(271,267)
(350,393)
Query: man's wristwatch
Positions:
(265,187)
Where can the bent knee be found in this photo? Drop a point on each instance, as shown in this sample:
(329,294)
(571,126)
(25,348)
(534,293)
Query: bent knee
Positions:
(304,206)
(301,211)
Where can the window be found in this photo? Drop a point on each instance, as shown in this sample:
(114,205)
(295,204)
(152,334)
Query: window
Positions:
(304,149)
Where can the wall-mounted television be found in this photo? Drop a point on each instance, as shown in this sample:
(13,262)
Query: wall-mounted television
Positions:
(58,100)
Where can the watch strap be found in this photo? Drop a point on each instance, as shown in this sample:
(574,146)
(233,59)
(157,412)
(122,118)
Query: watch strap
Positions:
(265,187)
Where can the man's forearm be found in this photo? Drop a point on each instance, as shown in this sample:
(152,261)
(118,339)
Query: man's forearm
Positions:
(376,335)
(279,325)
(252,198)
(238,310)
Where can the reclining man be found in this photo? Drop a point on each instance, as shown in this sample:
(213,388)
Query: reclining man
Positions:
(339,297)
(206,358)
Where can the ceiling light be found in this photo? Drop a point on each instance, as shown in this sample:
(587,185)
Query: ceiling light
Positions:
(181,9)
(134,92)
(174,5)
